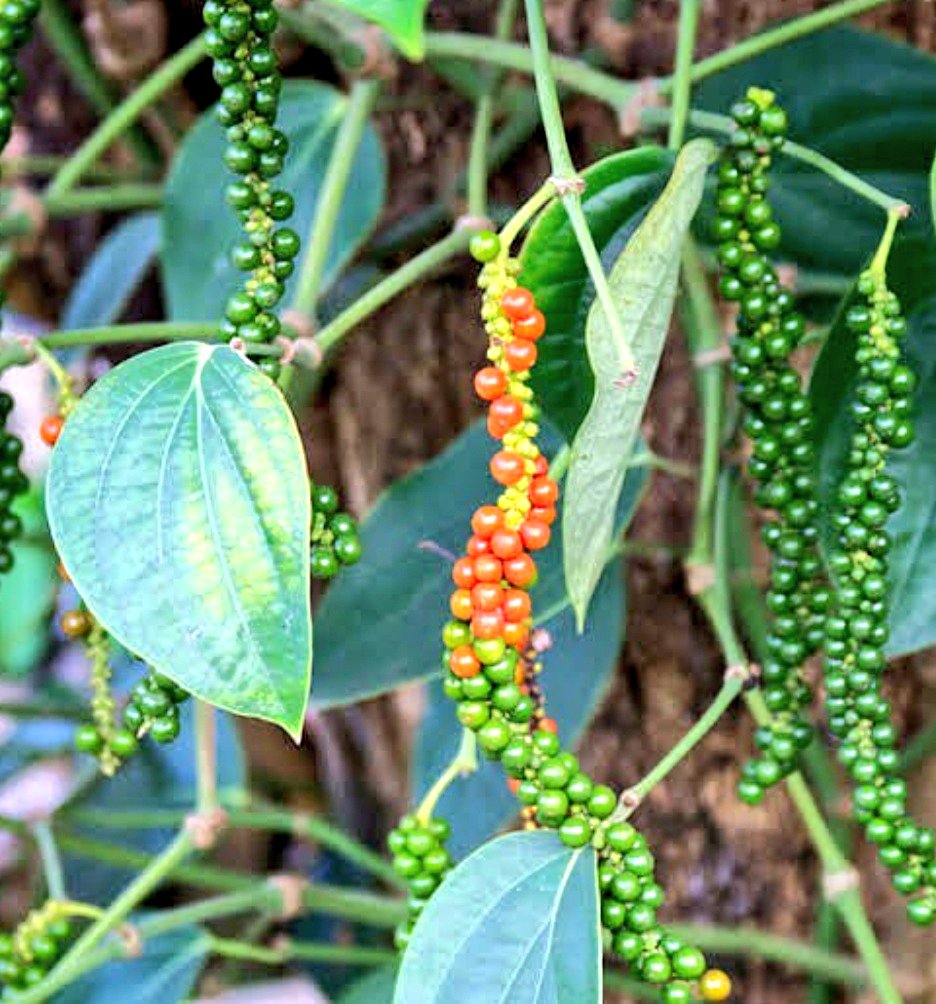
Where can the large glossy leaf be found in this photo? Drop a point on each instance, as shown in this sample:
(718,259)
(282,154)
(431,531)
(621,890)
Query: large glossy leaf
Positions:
(402,20)
(378,626)
(643,284)
(178,500)
(913,558)
(165,972)
(578,670)
(865,101)
(113,273)
(199,228)
(517,921)
(27,593)
(619,191)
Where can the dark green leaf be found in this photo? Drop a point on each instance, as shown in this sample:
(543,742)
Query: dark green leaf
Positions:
(865,101)
(375,988)
(577,671)
(932,193)
(517,921)
(27,593)
(643,282)
(166,972)
(115,270)
(619,190)
(199,228)
(402,20)
(178,499)
(913,558)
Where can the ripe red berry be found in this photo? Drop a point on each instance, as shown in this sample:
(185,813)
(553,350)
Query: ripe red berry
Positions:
(486,520)
(463,573)
(486,596)
(487,568)
(520,355)
(541,465)
(51,429)
(543,491)
(506,543)
(547,516)
(477,545)
(464,663)
(487,624)
(520,571)
(535,534)
(531,326)
(516,605)
(507,468)
(516,634)
(490,383)
(505,412)
(517,303)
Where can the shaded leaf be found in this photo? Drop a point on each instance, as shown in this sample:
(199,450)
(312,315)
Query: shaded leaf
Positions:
(619,191)
(516,921)
(643,282)
(375,988)
(199,228)
(114,272)
(178,500)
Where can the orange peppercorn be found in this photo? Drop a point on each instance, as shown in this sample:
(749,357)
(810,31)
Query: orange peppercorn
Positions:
(487,568)
(543,491)
(535,534)
(513,783)
(490,383)
(463,573)
(477,545)
(517,303)
(487,624)
(506,543)
(464,663)
(460,604)
(531,326)
(516,635)
(547,516)
(517,605)
(519,571)
(487,596)
(506,410)
(50,429)
(486,520)
(75,623)
(507,468)
(520,355)
(541,466)
(549,725)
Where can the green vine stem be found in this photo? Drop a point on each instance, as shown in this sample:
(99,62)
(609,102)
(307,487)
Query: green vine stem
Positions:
(463,763)
(712,122)
(689,11)
(477,176)
(260,817)
(287,950)
(51,862)
(125,114)
(331,197)
(67,41)
(799,27)
(567,183)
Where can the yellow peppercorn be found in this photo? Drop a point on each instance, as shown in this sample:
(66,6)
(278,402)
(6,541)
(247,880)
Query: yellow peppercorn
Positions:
(715,985)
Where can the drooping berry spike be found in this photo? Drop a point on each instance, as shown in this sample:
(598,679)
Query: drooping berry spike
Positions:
(489,656)
(28,953)
(335,540)
(420,857)
(778,421)
(856,630)
(13,483)
(238,39)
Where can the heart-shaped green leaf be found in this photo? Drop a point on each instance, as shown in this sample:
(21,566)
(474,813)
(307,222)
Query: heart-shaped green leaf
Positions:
(402,20)
(516,921)
(912,559)
(643,282)
(178,499)
(618,192)
(199,228)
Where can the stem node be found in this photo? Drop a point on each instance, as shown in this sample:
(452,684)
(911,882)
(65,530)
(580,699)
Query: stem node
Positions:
(292,890)
(838,882)
(204,828)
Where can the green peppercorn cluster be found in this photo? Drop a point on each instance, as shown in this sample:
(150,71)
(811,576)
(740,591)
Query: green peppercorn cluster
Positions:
(856,631)
(245,68)
(12,483)
(778,421)
(335,540)
(16,24)
(28,953)
(153,710)
(420,857)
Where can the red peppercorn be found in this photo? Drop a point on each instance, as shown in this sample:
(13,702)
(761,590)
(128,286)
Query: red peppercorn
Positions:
(520,355)
(535,534)
(487,624)
(506,543)
(51,429)
(519,571)
(531,326)
(477,545)
(517,303)
(507,468)
(543,491)
(486,520)
(487,568)
(547,516)
(463,573)
(486,596)
(490,383)
(541,465)
(516,605)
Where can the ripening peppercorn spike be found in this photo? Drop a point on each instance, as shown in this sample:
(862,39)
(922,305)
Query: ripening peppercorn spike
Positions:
(335,539)
(493,667)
